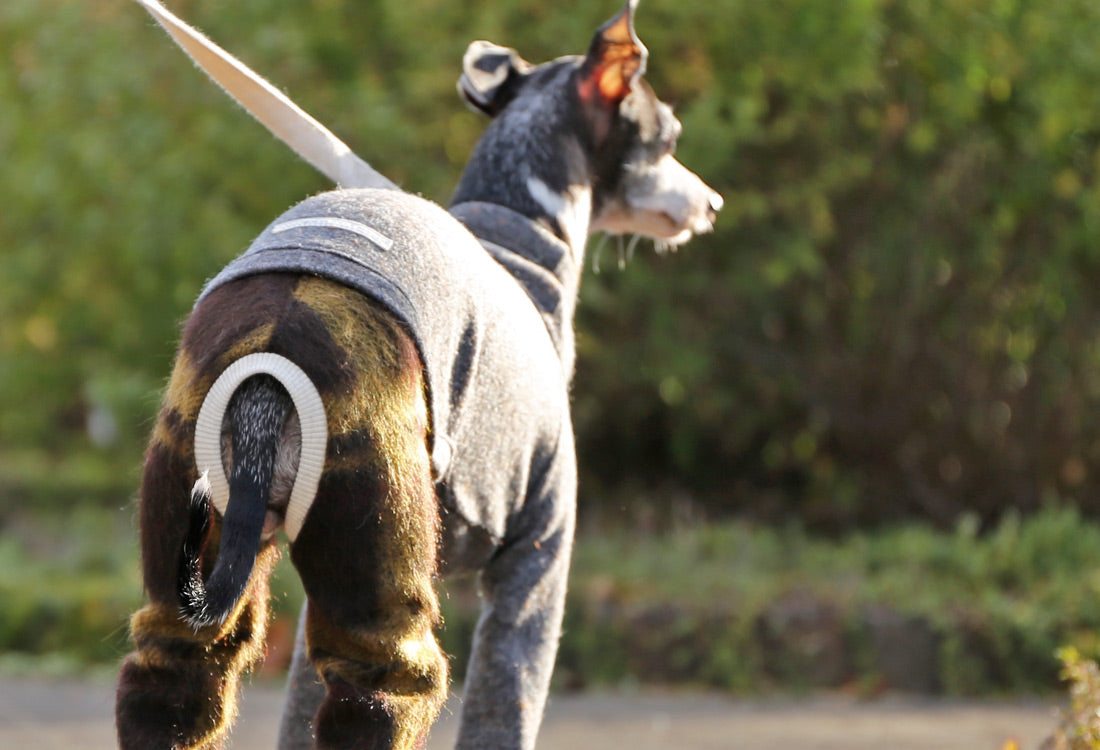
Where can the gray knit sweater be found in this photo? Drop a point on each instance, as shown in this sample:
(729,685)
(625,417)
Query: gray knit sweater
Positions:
(493,324)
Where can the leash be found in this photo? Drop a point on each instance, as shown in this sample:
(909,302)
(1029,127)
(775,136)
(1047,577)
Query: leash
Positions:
(286,120)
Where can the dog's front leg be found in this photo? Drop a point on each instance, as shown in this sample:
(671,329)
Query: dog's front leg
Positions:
(304,694)
(516,641)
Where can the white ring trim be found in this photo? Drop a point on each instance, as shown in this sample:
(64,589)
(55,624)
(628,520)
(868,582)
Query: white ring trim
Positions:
(335,222)
(311,415)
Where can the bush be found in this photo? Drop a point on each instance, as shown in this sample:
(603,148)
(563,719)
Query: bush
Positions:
(897,317)
(751,609)
(731,606)
(1080,728)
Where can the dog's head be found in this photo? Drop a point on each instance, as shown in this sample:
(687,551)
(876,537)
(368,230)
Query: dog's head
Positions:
(618,138)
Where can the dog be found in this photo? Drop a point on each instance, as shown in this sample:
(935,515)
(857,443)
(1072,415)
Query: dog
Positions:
(388,383)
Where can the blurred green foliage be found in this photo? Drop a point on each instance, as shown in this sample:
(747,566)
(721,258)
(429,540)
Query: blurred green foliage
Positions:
(895,317)
(740,606)
(728,605)
(898,316)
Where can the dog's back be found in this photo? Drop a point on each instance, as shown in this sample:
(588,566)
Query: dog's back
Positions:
(474,320)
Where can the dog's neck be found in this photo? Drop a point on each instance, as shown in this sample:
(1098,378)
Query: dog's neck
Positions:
(531,161)
(546,266)
(542,264)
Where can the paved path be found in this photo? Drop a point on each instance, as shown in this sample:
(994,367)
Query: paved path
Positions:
(75,716)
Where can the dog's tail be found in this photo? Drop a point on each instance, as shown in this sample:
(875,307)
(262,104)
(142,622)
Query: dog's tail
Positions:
(254,419)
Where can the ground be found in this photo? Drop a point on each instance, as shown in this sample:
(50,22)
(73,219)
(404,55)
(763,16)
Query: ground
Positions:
(77,716)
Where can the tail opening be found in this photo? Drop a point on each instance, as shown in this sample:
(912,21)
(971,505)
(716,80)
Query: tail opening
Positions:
(254,421)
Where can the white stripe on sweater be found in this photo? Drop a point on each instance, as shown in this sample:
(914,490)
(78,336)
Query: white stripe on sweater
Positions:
(335,222)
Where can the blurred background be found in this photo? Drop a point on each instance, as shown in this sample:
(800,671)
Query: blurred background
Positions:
(850,440)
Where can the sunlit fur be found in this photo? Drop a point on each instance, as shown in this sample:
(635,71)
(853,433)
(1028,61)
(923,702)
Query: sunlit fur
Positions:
(373,606)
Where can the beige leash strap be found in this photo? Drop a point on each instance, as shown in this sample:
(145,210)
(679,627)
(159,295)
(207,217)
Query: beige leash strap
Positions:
(290,123)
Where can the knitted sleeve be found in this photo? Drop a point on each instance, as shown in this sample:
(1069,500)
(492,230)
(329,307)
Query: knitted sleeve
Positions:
(523,593)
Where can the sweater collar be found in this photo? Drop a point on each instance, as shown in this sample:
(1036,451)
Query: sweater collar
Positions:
(520,235)
(543,264)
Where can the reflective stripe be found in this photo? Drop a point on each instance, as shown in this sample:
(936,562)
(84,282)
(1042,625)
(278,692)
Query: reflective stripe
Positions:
(335,222)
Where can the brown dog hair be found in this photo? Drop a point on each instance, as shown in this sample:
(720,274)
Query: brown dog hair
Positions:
(372,603)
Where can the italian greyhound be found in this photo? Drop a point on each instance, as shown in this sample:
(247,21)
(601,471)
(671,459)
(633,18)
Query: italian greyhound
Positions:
(388,384)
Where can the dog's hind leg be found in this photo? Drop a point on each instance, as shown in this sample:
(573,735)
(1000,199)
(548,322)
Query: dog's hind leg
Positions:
(367,549)
(178,688)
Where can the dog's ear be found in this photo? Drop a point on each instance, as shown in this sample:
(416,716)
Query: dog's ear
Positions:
(615,60)
(491,75)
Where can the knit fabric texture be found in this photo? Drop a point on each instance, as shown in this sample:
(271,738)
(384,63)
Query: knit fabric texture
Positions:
(492,320)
